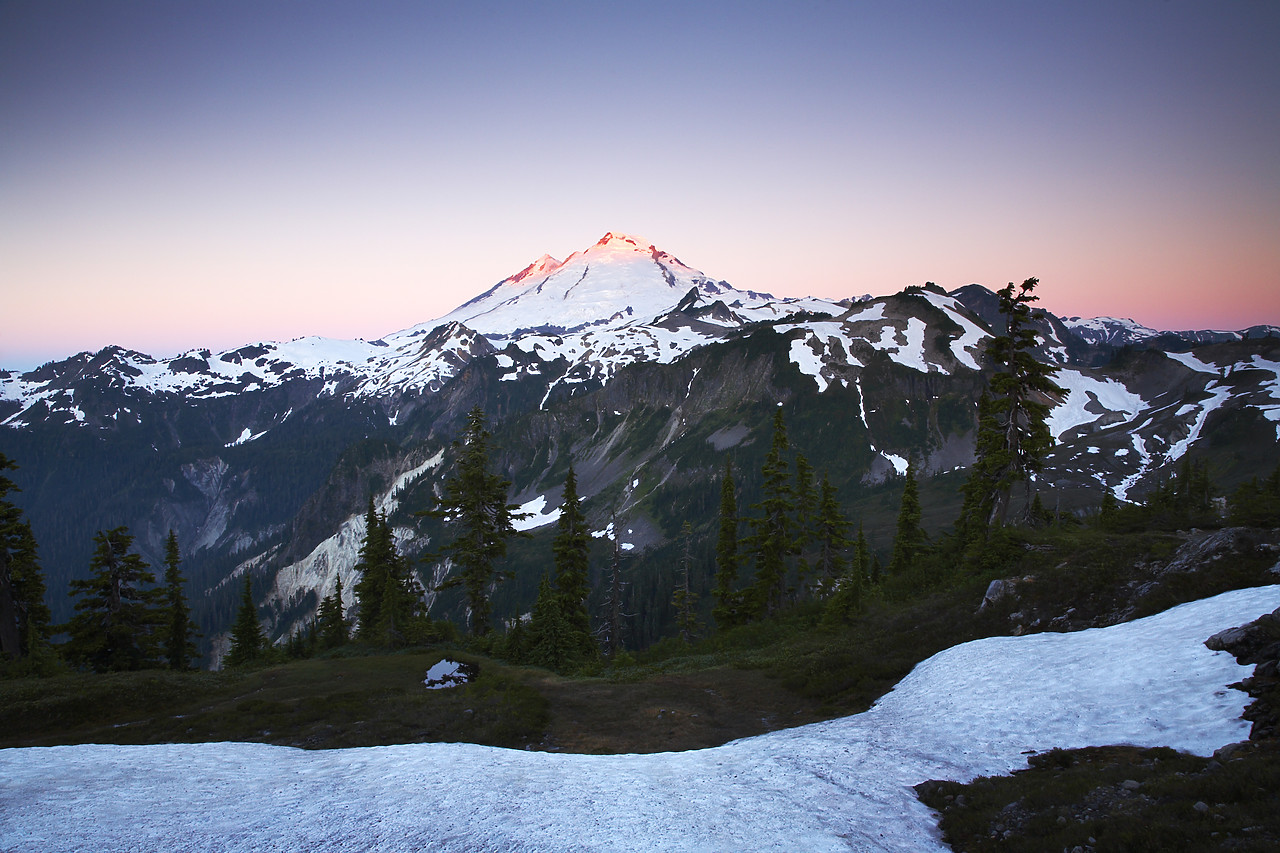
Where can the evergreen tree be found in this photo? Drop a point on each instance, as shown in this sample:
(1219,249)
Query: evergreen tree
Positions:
(571,550)
(475,502)
(331,620)
(248,643)
(551,641)
(772,540)
(1013,433)
(116,621)
(862,559)
(909,538)
(806,518)
(24,615)
(832,536)
(387,594)
(1256,504)
(877,570)
(685,599)
(728,605)
(1109,510)
(613,606)
(180,632)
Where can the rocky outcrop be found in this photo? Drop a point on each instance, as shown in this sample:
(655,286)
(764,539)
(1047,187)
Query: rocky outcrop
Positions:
(1257,642)
(1036,602)
(1204,548)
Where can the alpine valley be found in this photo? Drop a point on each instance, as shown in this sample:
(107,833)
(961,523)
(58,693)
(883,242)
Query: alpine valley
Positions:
(637,368)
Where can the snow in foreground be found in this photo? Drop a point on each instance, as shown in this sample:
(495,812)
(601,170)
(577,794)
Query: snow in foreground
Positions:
(841,785)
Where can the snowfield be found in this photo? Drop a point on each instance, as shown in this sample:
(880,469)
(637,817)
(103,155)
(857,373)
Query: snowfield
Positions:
(843,785)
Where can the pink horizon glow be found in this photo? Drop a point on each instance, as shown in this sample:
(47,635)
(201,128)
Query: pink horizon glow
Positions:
(205,175)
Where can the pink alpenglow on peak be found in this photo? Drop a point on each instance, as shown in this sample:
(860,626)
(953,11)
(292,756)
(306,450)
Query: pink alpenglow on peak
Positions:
(621,279)
(543,266)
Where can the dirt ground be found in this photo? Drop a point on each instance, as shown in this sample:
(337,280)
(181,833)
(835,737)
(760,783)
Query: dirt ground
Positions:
(668,713)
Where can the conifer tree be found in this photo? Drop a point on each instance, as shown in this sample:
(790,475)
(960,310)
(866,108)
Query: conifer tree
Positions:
(685,599)
(331,620)
(909,538)
(475,503)
(772,540)
(24,615)
(372,569)
(1256,504)
(387,593)
(571,551)
(1109,510)
(862,558)
(1013,433)
(877,570)
(179,632)
(806,518)
(248,643)
(116,621)
(728,605)
(551,642)
(832,536)
(613,605)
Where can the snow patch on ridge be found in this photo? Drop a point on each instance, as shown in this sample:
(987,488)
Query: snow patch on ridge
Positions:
(538,515)
(975,709)
(1089,399)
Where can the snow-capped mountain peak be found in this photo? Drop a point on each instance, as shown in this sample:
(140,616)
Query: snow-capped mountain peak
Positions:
(619,279)
(622,243)
(542,267)
(1116,331)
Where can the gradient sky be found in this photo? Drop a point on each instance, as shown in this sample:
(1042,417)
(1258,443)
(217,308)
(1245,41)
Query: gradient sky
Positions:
(206,174)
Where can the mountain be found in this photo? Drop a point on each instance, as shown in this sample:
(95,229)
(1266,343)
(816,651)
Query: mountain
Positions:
(1115,332)
(643,371)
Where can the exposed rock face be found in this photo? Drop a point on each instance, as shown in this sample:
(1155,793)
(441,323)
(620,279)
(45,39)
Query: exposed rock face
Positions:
(1132,593)
(1257,642)
(1207,547)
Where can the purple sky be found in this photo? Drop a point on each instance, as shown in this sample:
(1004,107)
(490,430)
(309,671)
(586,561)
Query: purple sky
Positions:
(206,174)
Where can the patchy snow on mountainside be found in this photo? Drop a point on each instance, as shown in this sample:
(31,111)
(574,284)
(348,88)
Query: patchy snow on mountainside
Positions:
(1189,360)
(969,344)
(844,785)
(536,514)
(906,346)
(822,343)
(1088,400)
(1116,331)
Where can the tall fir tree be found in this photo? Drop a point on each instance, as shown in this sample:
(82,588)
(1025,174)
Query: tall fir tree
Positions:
(1254,503)
(387,593)
(179,634)
(806,517)
(475,503)
(248,643)
(831,534)
(728,609)
(772,540)
(24,615)
(119,612)
(862,558)
(685,599)
(551,641)
(571,552)
(613,627)
(909,537)
(331,621)
(1013,432)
